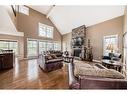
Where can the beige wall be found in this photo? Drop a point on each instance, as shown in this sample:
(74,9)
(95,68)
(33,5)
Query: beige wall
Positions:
(125,20)
(96,32)
(125,49)
(29,25)
(66,42)
(17,38)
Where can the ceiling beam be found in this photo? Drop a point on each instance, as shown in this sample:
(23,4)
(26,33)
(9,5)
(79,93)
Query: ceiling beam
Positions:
(50,11)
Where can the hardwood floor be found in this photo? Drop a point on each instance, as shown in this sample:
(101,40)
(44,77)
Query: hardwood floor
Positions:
(27,74)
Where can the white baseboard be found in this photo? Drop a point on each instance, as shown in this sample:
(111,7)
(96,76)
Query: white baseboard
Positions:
(96,61)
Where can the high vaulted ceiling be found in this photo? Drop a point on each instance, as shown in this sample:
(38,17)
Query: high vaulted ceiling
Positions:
(66,18)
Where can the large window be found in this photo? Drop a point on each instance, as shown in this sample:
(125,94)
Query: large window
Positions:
(14,46)
(42,46)
(57,46)
(35,47)
(9,45)
(50,46)
(112,41)
(45,30)
(32,48)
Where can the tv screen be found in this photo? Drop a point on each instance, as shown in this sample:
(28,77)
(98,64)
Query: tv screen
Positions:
(78,41)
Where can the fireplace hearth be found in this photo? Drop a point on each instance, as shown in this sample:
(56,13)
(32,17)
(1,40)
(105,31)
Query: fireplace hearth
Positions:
(77,52)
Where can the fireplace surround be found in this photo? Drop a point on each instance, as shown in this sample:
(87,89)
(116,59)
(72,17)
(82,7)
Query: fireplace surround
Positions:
(81,48)
(79,42)
(77,52)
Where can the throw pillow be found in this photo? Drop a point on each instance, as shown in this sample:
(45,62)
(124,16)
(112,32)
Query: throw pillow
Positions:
(54,56)
(49,57)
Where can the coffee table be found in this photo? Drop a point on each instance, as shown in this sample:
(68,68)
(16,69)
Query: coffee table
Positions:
(117,65)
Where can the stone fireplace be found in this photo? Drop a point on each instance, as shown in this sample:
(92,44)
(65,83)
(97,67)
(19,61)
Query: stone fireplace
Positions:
(79,42)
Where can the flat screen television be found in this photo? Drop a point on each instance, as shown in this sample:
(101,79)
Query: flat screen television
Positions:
(78,41)
(125,40)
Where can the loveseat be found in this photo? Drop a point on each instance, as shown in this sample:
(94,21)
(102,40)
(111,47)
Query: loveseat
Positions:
(50,62)
(94,82)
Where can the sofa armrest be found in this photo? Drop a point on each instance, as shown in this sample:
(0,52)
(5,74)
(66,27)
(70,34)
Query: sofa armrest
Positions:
(73,83)
(91,82)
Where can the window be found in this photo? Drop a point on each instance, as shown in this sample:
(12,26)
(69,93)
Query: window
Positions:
(42,46)
(4,45)
(45,30)
(14,46)
(35,47)
(11,45)
(32,48)
(24,10)
(50,46)
(57,46)
(110,40)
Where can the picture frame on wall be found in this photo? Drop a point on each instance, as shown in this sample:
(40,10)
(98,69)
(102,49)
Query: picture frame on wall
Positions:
(14,9)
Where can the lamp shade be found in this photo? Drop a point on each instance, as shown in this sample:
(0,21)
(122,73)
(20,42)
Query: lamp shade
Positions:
(111,47)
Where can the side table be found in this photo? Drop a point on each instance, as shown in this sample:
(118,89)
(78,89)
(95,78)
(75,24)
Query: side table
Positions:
(68,59)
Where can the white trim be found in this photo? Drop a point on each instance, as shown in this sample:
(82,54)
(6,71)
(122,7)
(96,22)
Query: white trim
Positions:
(96,61)
(12,33)
(50,11)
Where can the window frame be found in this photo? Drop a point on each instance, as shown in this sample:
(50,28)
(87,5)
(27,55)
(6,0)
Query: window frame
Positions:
(11,40)
(46,30)
(38,46)
(110,36)
(29,39)
(50,43)
(21,8)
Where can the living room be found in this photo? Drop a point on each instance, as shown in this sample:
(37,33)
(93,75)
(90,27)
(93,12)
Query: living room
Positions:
(40,45)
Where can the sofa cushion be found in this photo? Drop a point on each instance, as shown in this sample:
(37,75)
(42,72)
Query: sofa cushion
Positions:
(84,65)
(107,73)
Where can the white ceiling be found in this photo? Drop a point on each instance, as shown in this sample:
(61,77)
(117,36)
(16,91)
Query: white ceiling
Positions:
(66,18)
(42,9)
